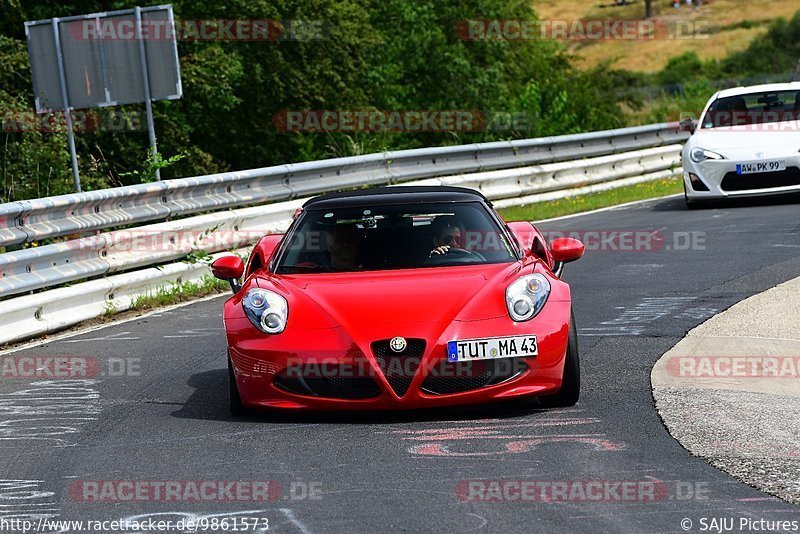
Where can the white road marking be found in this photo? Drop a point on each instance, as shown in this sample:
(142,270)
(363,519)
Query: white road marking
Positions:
(637,268)
(699,312)
(26,498)
(293,520)
(608,208)
(48,411)
(119,336)
(633,321)
(87,330)
(483,523)
(207,332)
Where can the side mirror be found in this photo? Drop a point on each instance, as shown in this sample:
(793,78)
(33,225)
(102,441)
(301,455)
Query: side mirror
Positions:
(565,250)
(687,125)
(230,269)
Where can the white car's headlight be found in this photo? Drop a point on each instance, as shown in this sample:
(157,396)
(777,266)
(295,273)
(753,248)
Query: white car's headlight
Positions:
(699,155)
(526,297)
(266,310)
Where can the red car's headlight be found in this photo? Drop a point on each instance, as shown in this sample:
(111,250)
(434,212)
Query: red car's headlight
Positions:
(526,297)
(266,309)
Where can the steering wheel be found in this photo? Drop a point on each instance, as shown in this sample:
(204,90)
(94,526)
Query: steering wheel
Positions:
(460,252)
(458,255)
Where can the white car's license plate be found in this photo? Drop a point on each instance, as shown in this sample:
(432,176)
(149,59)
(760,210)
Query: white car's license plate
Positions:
(768,165)
(492,348)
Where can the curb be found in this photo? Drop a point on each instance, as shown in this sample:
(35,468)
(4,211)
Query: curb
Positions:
(729,391)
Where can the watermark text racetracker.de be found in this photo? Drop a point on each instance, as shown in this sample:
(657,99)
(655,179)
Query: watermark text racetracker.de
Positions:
(606,491)
(259,30)
(194,491)
(143,241)
(49,367)
(401,120)
(745,121)
(734,366)
(609,240)
(103,120)
(580,30)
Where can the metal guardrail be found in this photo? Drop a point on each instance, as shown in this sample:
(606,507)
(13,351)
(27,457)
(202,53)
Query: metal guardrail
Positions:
(33,220)
(113,252)
(517,182)
(43,313)
(509,182)
(127,249)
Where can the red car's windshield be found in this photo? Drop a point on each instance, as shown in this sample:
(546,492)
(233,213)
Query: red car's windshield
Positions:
(398,236)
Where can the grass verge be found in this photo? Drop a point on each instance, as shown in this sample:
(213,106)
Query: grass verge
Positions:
(578,204)
(177,292)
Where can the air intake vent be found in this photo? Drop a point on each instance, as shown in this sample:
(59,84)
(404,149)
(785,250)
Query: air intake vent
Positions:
(448,378)
(763,180)
(399,368)
(330,381)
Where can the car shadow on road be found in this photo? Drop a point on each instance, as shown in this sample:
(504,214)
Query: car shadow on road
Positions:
(209,401)
(678,203)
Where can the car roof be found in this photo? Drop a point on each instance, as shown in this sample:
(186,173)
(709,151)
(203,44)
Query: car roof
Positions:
(763,88)
(395,195)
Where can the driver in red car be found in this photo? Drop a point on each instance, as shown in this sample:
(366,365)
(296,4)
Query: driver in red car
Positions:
(447,234)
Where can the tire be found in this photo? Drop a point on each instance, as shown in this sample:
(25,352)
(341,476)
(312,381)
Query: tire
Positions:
(571,382)
(693,204)
(234,399)
(690,204)
(702,204)
(696,204)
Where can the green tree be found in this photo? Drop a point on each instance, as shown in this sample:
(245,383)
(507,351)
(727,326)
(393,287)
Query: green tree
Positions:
(374,55)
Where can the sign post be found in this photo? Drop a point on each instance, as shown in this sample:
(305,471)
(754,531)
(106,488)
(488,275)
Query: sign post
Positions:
(94,60)
(62,79)
(151,130)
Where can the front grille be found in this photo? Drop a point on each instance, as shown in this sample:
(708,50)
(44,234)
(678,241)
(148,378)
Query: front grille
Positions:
(399,368)
(447,377)
(763,180)
(327,380)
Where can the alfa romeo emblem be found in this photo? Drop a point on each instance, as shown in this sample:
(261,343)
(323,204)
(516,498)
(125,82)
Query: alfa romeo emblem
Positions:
(398,344)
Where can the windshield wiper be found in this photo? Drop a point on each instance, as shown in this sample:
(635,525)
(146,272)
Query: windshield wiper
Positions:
(289,269)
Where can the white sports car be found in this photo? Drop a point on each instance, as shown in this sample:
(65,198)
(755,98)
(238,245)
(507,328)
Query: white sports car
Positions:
(747,144)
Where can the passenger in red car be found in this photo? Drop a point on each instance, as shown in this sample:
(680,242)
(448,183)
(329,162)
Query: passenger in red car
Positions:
(342,243)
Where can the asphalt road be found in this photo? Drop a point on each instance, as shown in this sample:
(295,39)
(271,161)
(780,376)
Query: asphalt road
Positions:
(166,418)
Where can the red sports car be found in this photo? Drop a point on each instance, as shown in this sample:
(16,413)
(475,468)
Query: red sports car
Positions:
(397,298)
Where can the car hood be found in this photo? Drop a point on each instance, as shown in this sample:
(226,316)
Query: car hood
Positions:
(433,295)
(738,143)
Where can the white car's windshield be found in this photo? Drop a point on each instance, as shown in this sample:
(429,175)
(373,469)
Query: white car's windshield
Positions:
(752,109)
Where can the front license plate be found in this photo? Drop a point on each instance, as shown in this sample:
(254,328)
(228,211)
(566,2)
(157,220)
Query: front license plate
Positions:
(492,348)
(753,167)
